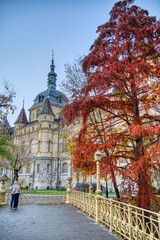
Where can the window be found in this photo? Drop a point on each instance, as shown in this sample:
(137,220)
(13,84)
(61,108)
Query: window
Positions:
(32,128)
(65,168)
(49,125)
(38,112)
(60,99)
(37,168)
(40,98)
(32,146)
(40,125)
(21,171)
(47,168)
(28,170)
(39,146)
(49,146)
(44,117)
(1,171)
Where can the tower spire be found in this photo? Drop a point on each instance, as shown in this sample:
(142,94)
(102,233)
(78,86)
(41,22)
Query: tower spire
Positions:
(23,103)
(52,76)
(52,56)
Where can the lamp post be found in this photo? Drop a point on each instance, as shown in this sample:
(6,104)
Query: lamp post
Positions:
(98,191)
(98,159)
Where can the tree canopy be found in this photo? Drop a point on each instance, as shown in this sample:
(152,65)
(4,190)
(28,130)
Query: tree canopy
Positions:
(6,105)
(123,72)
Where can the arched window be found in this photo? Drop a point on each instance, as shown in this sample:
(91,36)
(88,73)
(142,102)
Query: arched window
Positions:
(39,146)
(65,168)
(37,168)
(49,146)
(32,146)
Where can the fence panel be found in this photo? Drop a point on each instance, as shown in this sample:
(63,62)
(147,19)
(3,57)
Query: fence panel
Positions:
(38,199)
(84,201)
(128,221)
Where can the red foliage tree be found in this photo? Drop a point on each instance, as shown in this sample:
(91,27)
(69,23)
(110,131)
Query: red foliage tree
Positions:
(122,68)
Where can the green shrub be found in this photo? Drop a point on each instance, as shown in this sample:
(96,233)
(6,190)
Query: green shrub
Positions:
(61,188)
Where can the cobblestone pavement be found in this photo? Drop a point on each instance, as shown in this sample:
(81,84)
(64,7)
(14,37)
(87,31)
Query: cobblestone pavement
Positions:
(49,222)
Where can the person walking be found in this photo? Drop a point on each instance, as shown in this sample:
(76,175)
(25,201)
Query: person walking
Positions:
(12,195)
(16,192)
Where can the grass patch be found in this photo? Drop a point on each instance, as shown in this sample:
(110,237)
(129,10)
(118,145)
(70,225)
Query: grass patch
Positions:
(42,192)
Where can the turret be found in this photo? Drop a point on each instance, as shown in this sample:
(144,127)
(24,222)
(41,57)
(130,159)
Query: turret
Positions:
(21,120)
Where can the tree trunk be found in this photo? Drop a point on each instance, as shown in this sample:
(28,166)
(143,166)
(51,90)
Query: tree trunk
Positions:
(143,195)
(16,175)
(115,184)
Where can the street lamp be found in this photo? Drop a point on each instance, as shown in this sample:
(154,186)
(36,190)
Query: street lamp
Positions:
(98,159)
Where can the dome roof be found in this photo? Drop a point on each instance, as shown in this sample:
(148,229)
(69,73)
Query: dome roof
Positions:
(54,96)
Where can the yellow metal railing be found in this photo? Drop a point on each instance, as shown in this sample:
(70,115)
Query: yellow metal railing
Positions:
(85,202)
(128,221)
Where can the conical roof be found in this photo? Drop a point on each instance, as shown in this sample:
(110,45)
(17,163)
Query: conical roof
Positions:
(46,108)
(22,118)
(5,123)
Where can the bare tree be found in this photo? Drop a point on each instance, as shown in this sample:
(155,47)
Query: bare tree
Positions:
(6,100)
(75,79)
(20,158)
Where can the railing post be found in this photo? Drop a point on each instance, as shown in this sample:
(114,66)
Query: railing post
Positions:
(159,224)
(98,191)
(68,200)
(130,221)
(90,187)
(143,226)
(120,219)
(2,192)
(98,202)
(111,215)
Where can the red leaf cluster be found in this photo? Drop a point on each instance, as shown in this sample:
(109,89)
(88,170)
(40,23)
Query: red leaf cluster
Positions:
(119,105)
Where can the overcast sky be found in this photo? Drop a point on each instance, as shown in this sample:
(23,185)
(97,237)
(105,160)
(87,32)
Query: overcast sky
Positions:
(30,29)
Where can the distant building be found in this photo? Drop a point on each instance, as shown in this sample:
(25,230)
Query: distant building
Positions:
(49,164)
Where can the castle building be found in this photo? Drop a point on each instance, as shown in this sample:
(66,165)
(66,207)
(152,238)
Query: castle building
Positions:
(48,163)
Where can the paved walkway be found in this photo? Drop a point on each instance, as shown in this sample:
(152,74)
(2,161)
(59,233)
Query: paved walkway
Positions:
(49,222)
